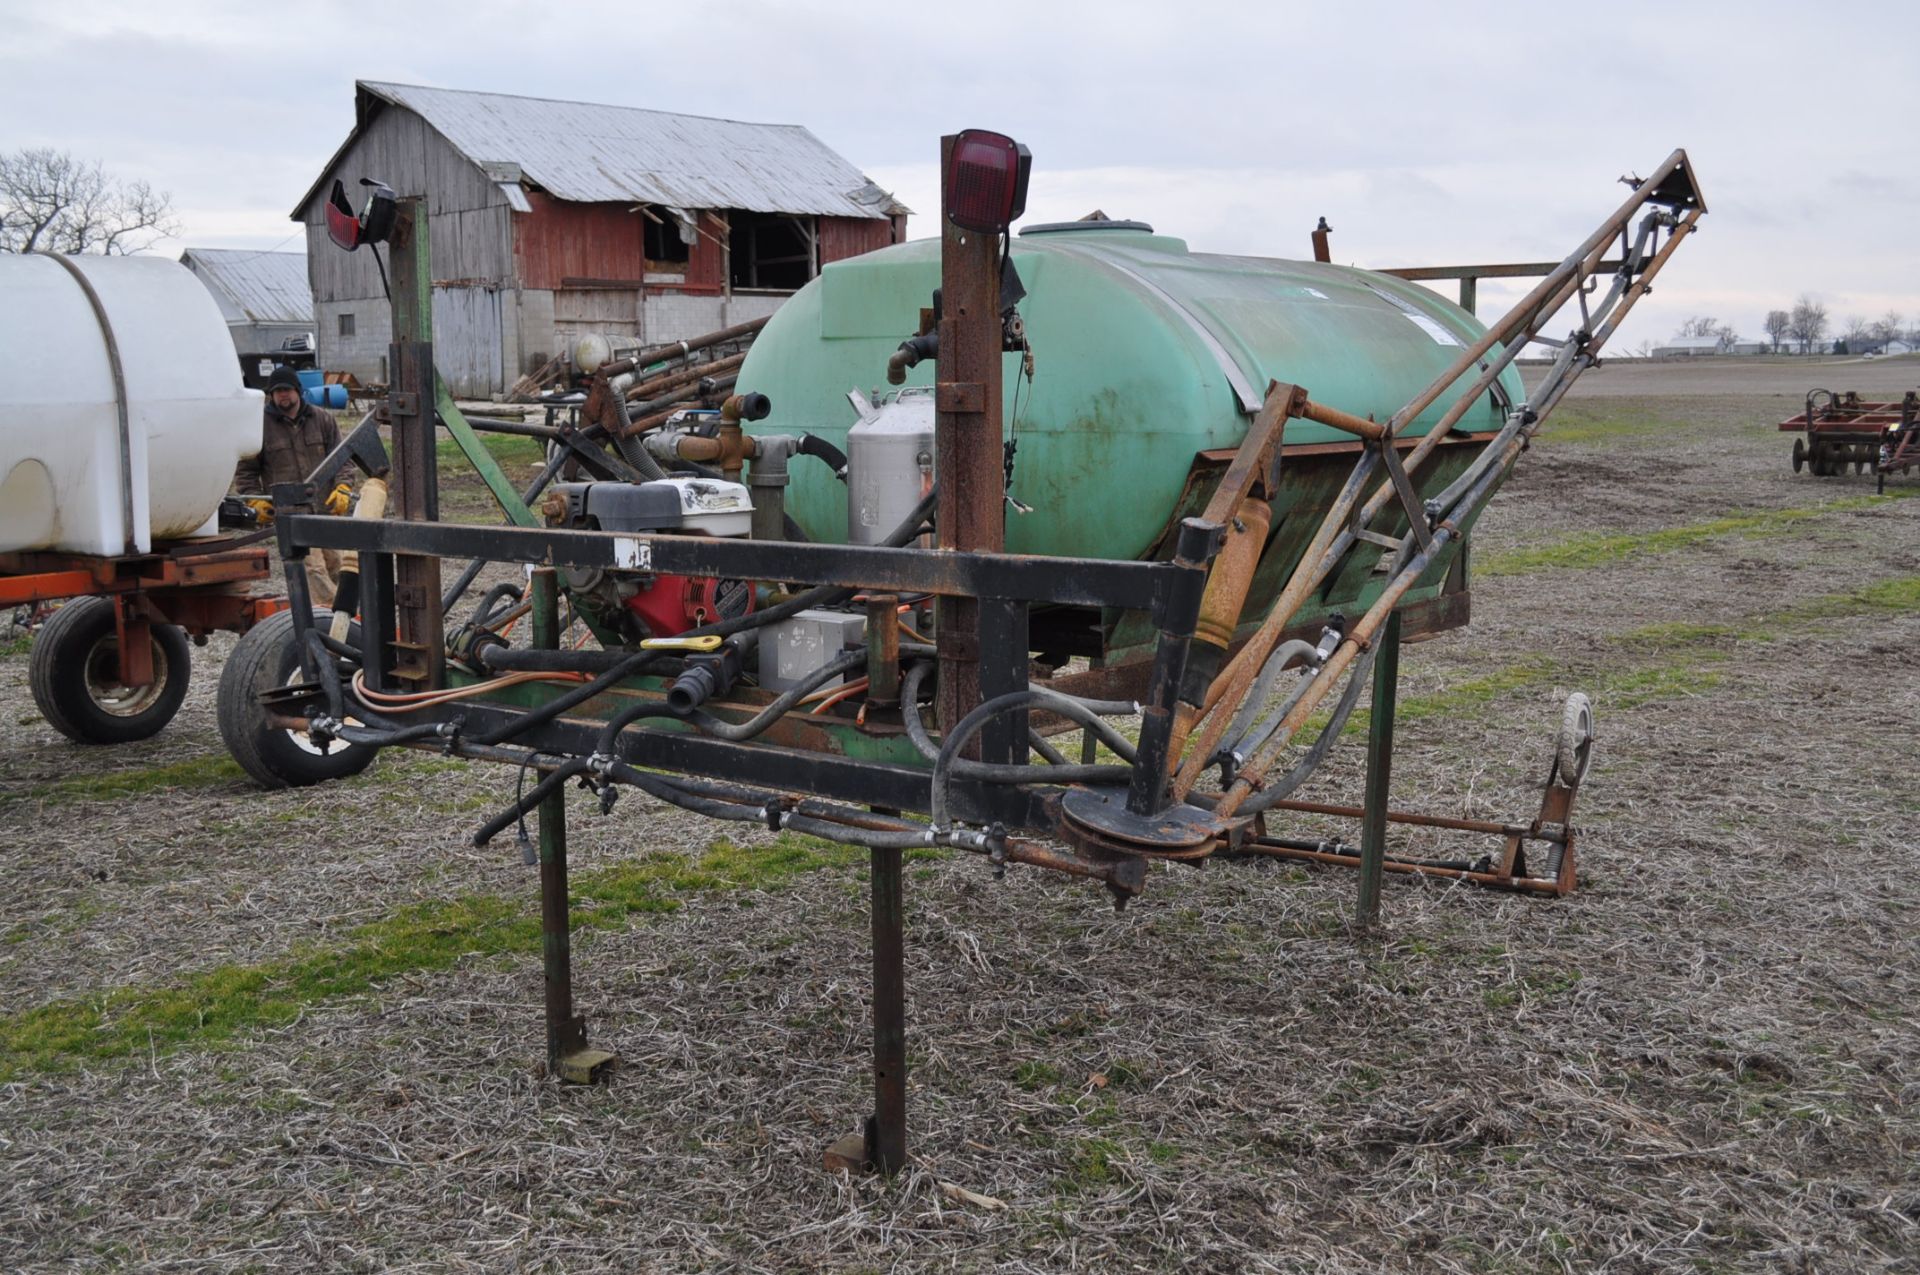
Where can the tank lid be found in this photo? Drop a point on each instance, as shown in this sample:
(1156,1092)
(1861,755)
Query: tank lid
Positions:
(1071,227)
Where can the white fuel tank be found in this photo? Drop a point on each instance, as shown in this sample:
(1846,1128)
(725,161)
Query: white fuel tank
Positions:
(98,463)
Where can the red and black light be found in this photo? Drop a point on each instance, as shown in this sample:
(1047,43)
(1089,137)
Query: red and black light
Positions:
(987,181)
(374,222)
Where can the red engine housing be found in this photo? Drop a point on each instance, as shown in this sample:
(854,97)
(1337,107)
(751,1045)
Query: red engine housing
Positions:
(670,605)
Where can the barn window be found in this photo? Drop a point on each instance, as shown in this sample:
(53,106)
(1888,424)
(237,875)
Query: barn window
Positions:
(773,251)
(346,325)
(660,240)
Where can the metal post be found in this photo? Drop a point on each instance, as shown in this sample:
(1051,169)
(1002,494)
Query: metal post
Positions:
(1003,669)
(887,1128)
(1373,826)
(567,1054)
(1176,616)
(1469,292)
(376,618)
(967,455)
(564,1029)
(411,395)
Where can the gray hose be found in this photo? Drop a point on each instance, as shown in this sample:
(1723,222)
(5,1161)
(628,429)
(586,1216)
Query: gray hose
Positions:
(1284,787)
(1263,687)
(922,741)
(632,449)
(948,762)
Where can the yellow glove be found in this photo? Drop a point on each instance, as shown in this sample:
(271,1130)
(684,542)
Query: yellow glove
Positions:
(339,500)
(262,508)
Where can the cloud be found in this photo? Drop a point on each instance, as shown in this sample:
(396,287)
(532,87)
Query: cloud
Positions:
(1421,134)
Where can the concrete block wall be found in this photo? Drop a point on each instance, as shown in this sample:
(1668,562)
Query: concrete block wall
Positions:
(365,352)
(674,316)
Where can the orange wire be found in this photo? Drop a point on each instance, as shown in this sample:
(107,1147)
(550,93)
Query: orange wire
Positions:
(412,701)
(851,688)
(831,691)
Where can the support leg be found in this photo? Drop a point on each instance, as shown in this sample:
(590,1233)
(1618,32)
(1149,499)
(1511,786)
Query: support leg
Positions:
(887,1130)
(1373,827)
(567,1054)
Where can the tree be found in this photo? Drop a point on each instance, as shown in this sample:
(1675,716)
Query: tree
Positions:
(1808,323)
(1729,337)
(1888,328)
(1700,325)
(50,201)
(1777,324)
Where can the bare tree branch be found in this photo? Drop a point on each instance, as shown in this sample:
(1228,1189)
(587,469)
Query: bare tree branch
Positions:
(51,201)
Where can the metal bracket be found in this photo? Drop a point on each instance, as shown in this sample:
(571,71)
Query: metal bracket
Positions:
(1409,497)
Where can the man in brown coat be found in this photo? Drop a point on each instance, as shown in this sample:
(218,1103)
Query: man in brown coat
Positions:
(296,436)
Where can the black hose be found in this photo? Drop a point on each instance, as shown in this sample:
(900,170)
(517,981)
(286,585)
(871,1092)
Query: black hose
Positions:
(632,666)
(820,595)
(517,659)
(386,738)
(484,612)
(1039,744)
(670,791)
(719,729)
(819,448)
(329,675)
(527,801)
(666,790)
(1000,773)
(471,571)
(917,728)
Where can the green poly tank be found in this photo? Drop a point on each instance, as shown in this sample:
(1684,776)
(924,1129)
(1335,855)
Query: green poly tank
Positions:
(1145,355)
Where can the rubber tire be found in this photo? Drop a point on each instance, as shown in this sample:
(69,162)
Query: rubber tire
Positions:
(1573,746)
(57,675)
(1799,454)
(263,659)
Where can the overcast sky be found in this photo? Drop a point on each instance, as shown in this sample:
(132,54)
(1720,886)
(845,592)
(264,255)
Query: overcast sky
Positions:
(1425,133)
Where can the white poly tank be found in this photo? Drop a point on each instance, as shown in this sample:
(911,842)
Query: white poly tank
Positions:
(77,473)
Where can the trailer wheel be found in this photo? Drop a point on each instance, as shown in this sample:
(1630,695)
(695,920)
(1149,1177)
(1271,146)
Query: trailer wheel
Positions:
(264,659)
(74,673)
(1573,747)
(1799,454)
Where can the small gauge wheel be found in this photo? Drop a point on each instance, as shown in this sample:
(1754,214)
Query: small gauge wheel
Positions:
(1573,748)
(1799,454)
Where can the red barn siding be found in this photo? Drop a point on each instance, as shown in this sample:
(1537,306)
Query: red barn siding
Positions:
(843,237)
(707,259)
(560,245)
(559,242)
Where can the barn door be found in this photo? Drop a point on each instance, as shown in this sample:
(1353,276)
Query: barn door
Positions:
(467,340)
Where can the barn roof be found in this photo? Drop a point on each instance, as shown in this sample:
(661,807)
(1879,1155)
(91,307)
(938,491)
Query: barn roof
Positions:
(266,287)
(590,153)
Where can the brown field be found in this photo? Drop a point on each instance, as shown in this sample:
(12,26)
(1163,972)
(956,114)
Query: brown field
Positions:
(301,1030)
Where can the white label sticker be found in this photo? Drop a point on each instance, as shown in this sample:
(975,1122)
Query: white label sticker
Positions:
(1434,330)
(633,555)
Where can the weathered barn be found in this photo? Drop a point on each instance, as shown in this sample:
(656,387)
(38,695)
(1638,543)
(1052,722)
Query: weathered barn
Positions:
(550,220)
(263,296)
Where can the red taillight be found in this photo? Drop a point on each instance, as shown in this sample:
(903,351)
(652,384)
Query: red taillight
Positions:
(342,226)
(987,181)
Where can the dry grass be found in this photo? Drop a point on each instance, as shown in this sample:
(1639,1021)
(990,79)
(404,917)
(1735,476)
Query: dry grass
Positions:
(1706,1060)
